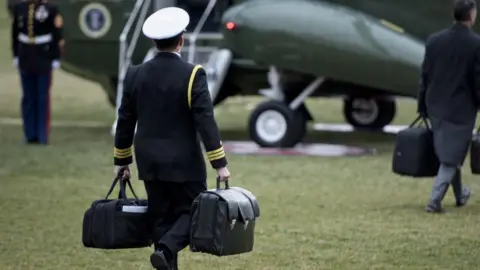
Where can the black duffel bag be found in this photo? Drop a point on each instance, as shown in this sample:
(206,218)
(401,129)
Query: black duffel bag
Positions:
(475,153)
(414,153)
(223,221)
(117,223)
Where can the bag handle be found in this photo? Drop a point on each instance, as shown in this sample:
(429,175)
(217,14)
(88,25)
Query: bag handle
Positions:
(122,194)
(114,183)
(424,120)
(227,186)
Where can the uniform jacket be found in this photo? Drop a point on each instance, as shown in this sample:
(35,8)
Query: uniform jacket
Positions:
(170,101)
(36,34)
(450,90)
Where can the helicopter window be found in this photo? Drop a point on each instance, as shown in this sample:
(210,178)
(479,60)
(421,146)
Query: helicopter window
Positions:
(196,8)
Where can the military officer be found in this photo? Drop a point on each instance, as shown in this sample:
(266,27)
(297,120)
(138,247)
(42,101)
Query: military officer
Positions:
(36,44)
(170,101)
(450,96)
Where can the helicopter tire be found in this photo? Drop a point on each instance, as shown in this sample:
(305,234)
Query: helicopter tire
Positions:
(369,112)
(274,124)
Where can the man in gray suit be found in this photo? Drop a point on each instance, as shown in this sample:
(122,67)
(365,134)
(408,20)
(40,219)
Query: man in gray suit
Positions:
(449,96)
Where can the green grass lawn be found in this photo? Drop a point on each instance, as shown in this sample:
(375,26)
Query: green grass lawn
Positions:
(317,213)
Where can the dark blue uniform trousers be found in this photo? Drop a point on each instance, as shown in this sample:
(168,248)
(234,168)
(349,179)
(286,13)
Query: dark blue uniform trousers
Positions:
(36,105)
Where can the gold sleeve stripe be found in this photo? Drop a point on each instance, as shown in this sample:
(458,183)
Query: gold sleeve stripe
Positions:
(214,152)
(217,156)
(190,84)
(126,150)
(123,156)
(123,153)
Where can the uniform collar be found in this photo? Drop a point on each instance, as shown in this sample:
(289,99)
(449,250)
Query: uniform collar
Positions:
(169,53)
(460,26)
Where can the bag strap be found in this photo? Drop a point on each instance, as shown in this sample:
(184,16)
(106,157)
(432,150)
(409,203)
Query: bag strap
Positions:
(423,120)
(122,194)
(114,183)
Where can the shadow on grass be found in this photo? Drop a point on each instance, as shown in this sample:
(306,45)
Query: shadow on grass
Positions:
(382,142)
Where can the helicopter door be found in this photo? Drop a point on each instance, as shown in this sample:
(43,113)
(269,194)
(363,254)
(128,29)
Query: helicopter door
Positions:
(217,68)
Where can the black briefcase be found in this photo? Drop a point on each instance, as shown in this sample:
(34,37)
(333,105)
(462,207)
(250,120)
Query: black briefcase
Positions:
(475,153)
(119,223)
(414,153)
(223,221)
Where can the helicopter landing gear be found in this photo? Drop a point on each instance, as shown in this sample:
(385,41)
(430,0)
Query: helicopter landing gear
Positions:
(274,123)
(216,69)
(369,112)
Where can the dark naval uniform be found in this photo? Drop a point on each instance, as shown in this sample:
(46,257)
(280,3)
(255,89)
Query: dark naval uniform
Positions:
(36,41)
(170,101)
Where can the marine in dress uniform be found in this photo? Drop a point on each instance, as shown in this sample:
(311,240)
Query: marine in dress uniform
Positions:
(450,97)
(170,102)
(36,45)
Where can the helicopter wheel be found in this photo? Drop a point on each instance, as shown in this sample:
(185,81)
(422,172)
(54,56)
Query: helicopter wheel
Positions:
(369,113)
(274,124)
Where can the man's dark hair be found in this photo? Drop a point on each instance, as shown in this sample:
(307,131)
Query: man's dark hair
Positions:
(462,9)
(169,43)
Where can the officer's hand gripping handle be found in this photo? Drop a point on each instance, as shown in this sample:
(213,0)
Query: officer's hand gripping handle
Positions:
(218,183)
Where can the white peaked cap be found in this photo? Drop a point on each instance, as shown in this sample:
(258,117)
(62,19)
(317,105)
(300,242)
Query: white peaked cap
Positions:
(166,23)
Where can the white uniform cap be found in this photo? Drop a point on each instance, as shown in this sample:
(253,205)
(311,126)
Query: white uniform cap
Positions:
(166,23)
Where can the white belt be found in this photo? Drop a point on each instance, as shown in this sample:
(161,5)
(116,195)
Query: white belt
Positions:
(35,40)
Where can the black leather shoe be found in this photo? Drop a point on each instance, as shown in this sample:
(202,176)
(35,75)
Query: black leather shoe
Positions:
(159,261)
(432,208)
(464,199)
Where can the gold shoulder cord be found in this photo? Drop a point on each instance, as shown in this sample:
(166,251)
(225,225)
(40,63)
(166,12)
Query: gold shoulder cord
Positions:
(190,84)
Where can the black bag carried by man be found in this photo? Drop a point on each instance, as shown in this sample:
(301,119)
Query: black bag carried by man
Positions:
(475,153)
(223,221)
(117,223)
(414,153)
